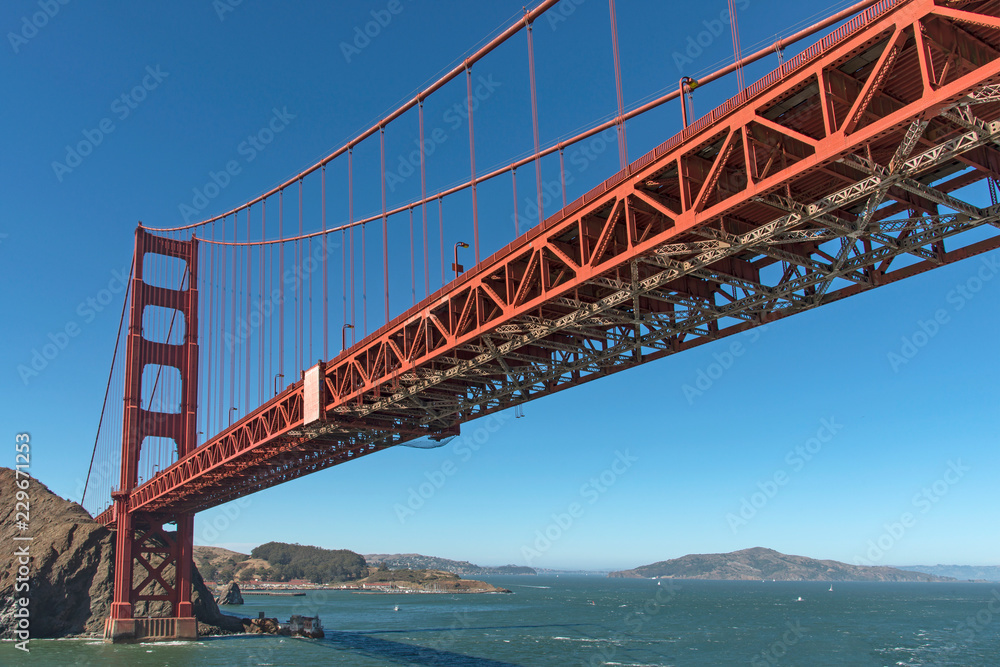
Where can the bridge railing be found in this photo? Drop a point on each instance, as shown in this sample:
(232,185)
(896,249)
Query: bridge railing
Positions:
(817,49)
(692,132)
(774,76)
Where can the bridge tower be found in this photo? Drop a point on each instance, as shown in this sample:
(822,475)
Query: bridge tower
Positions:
(144,550)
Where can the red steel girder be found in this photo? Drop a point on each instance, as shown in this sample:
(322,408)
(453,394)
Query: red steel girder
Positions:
(567,265)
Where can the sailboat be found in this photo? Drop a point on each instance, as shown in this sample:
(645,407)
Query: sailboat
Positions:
(831,588)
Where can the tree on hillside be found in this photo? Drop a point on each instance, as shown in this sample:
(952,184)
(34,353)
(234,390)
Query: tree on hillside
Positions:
(294,561)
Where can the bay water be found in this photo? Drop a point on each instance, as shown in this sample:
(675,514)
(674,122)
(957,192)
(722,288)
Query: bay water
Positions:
(592,620)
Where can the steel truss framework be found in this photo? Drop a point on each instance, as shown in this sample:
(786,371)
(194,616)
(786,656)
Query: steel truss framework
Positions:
(839,176)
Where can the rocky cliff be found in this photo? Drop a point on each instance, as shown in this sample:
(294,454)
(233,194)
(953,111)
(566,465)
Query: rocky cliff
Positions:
(72,569)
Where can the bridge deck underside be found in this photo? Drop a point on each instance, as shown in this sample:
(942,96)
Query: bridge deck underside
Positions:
(847,173)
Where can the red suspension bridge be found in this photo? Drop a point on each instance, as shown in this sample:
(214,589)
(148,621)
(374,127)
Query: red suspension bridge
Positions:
(869,157)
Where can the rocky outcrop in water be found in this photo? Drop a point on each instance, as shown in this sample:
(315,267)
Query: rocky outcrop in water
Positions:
(72,570)
(460,567)
(262,626)
(230,595)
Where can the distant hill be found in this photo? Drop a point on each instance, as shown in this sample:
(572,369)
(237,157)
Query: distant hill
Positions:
(278,561)
(318,565)
(760,563)
(420,562)
(211,561)
(962,572)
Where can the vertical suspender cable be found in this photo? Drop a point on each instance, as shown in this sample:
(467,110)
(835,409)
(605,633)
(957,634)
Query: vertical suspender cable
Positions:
(350,218)
(622,150)
(203,310)
(281,284)
(513,178)
(299,304)
(246,317)
(232,347)
(260,302)
(209,333)
(472,162)
(307,303)
(267,379)
(734,27)
(413,263)
(562,175)
(222,328)
(385,226)
(326,248)
(364,280)
(534,117)
(441,236)
(204,326)
(423,200)
(343,271)
(309,358)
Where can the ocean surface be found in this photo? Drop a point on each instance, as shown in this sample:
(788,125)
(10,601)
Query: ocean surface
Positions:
(577,620)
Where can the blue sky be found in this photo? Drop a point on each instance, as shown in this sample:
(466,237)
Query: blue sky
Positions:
(621,472)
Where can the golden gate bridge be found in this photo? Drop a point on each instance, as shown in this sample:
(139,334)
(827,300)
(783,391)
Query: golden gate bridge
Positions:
(869,157)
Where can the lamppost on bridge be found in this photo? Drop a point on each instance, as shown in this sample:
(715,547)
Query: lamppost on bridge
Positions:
(231,410)
(456,267)
(279,375)
(343,336)
(687,87)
